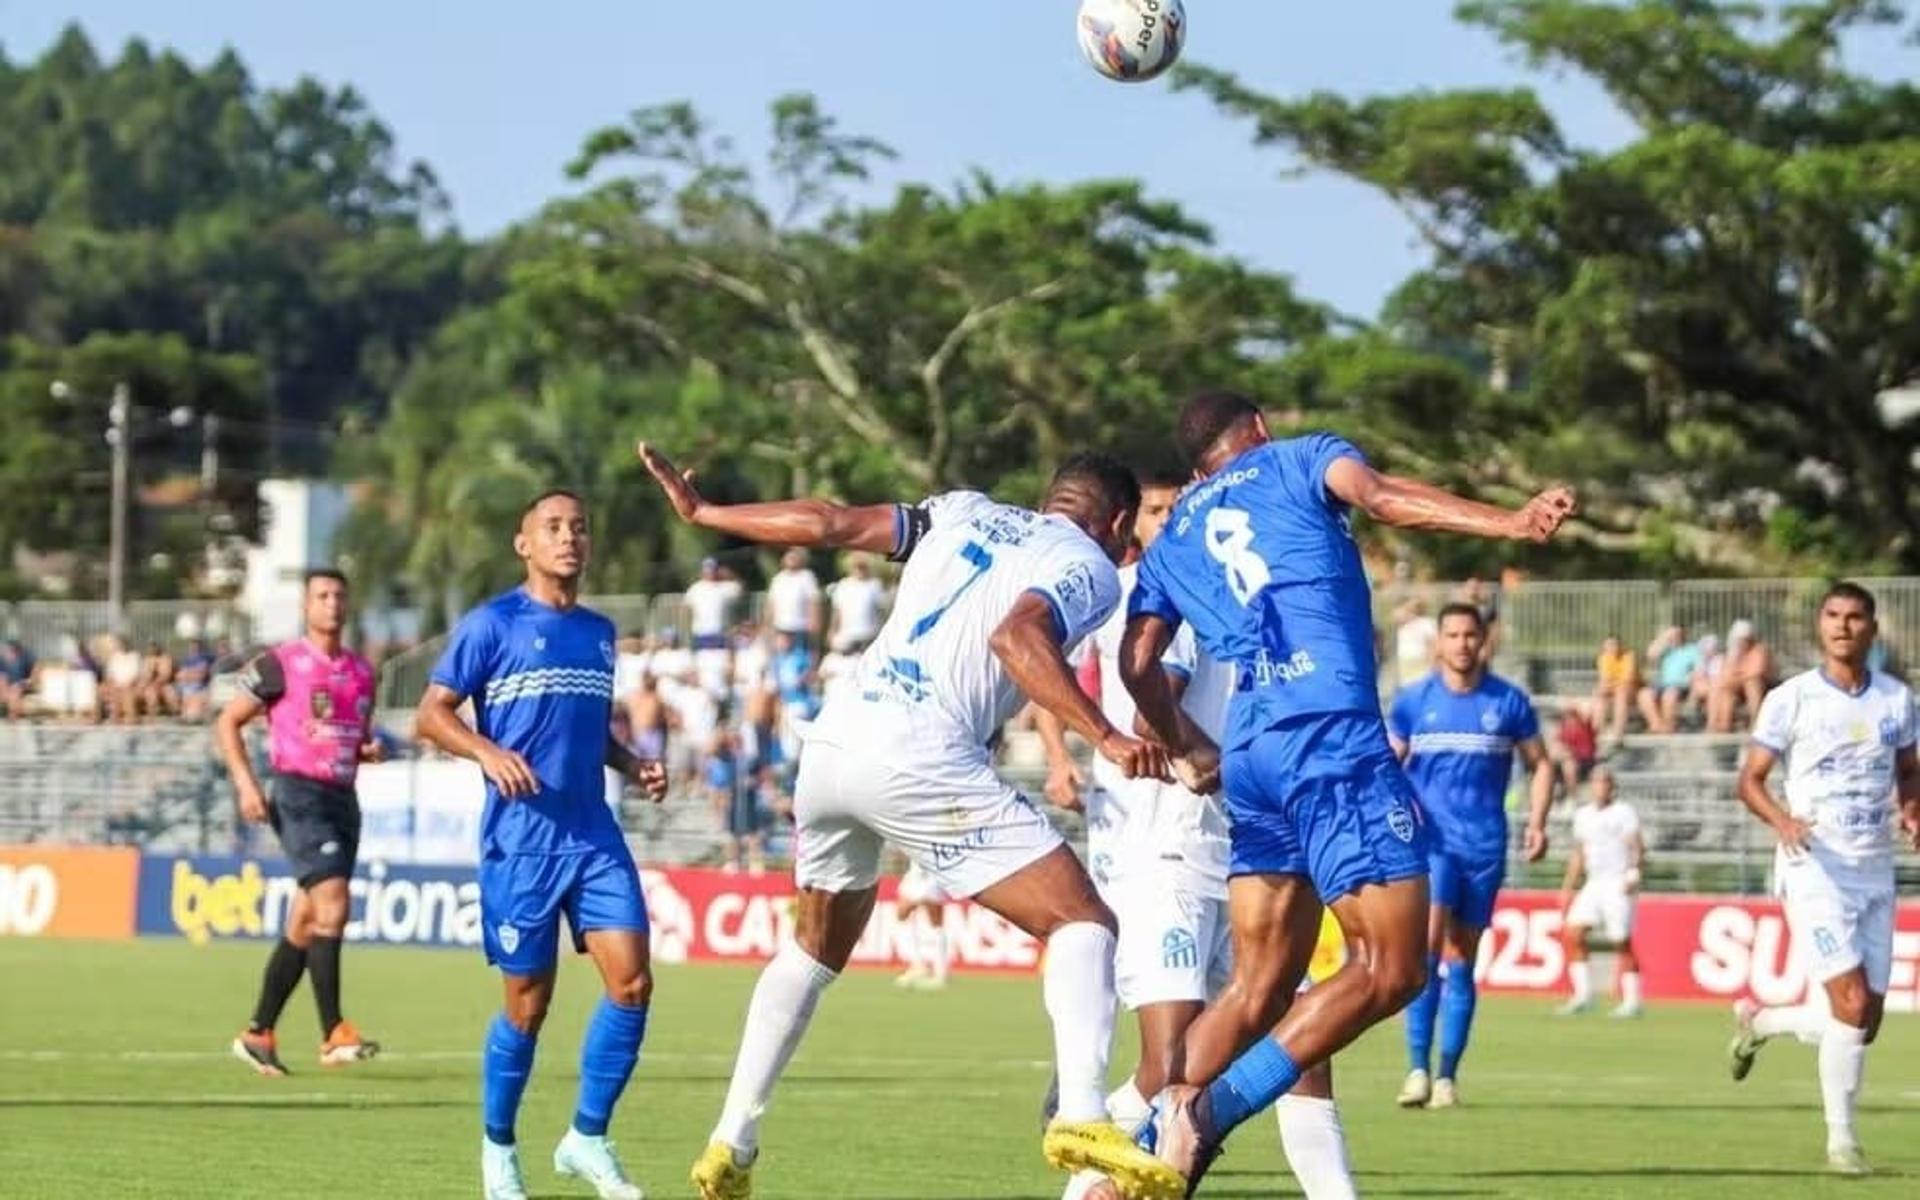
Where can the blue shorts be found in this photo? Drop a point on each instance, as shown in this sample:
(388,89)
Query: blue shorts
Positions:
(1466,884)
(1324,797)
(522,897)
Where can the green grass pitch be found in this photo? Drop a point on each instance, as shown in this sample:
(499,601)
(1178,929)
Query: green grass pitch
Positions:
(114,1082)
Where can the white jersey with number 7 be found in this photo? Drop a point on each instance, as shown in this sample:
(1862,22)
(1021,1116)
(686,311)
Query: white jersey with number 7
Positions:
(969,560)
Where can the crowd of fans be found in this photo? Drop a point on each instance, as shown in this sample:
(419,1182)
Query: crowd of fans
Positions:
(109,678)
(725,706)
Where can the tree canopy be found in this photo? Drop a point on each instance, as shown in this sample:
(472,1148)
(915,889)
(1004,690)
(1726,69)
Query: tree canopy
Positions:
(1699,327)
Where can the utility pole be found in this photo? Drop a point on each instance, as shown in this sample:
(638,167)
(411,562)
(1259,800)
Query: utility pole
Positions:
(210,483)
(120,434)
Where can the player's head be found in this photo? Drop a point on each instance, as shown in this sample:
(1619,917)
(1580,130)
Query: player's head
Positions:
(1100,495)
(1159,488)
(552,539)
(1217,426)
(324,601)
(1600,785)
(1847,623)
(1463,633)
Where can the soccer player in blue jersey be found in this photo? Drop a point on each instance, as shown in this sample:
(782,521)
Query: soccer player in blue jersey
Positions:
(1457,730)
(539,670)
(1259,558)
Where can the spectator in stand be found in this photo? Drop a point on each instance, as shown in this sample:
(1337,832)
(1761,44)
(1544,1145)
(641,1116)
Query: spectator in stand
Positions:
(1706,674)
(837,675)
(16,677)
(1747,671)
(857,599)
(1578,744)
(121,685)
(752,662)
(1617,683)
(793,599)
(736,799)
(1671,661)
(711,601)
(650,720)
(1415,635)
(158,697)
(794,679)
(193,681)
(1486,599)
(632,664)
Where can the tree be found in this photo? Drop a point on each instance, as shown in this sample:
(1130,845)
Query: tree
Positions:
(1698,324)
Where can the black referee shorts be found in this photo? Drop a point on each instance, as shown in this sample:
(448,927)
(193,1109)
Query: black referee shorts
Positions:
(318,825)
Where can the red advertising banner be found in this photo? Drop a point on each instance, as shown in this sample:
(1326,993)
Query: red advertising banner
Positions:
(707,916)
(1690,948)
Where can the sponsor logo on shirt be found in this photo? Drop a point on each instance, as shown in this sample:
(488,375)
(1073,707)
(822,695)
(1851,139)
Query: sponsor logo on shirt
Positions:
(1266,670)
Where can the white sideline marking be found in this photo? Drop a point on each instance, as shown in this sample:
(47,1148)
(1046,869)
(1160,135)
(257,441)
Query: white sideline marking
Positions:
(164,1056)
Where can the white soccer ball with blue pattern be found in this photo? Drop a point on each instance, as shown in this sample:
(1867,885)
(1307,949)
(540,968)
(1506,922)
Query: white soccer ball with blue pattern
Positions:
(1132,41)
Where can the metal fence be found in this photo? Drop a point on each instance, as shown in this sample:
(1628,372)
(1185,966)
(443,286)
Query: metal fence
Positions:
(49,627)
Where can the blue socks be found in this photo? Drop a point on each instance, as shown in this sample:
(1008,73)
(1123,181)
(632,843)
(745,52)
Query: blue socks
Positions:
(1255,1080)
(1420,1015)
(1457,997)
(505,1069)
(607,1056)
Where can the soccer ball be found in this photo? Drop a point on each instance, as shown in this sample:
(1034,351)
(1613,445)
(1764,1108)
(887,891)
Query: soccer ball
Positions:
(1132,40)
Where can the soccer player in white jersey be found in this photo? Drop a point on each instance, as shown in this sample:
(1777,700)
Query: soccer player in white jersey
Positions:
(1608,848)
(1847,735)
(1159,855)
(921,904)
(990,600)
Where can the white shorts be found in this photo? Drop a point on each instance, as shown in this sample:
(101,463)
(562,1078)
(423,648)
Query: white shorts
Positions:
(1175,944)
(1840,915)
(918,887)
(1604,905)
(957,820)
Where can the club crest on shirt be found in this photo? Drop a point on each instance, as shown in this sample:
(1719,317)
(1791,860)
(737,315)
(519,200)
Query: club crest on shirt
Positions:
(606,652)
(1489,719)
(540,643)
(509,937)
(322,704)
(1400,823)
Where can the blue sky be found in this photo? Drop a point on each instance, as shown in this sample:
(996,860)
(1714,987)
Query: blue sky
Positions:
(496,96)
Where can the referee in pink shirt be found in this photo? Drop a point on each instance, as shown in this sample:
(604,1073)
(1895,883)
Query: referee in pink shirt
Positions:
(317,697)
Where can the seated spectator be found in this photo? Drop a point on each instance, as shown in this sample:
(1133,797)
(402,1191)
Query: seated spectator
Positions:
(120,686)
(1614,690)
(1747,671)
(157,671)
(1671,661)
(16,674)
(1577,745)
(193,681)
(1706,673)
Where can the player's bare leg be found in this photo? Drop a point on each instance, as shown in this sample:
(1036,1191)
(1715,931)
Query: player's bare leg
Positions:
(1276,922)
(1627,967)
(607,1058)
(1053,899)
(1579,970)
(1390,921)
(827,927)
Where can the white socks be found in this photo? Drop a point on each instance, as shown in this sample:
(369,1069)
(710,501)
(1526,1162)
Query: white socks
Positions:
(1843,1053)
(933,944)
(777,1018)
(1316,1147)
(1806,1022)
(1128,1108)
(1630,989)
(1582,976)
(1079,994)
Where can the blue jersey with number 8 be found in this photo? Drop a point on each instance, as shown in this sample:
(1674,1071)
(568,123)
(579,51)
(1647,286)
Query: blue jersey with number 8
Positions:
(1259,559)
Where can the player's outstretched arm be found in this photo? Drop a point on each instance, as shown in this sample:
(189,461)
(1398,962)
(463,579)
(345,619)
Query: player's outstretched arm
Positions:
(438,722)
(874,528)
(1142,649)
(1410,504)
(1754,769)
(1028,645)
